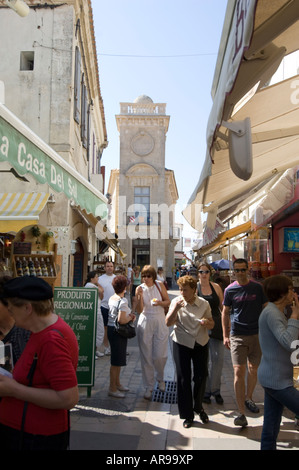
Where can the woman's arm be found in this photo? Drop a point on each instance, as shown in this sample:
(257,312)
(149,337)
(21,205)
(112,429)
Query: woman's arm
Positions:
(219,292)
(101,291)
(45,398)
(172,314)
(124,318)
(165,302)
(139,296)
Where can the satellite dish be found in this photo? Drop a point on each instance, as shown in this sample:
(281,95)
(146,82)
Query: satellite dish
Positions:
(240,148)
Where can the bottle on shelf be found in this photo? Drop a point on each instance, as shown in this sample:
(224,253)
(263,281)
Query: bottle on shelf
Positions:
(31,267)
(38,269)
(25,267)
(19,268)
(44,268)
(50,268)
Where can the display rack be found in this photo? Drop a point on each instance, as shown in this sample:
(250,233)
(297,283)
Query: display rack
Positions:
(21,265)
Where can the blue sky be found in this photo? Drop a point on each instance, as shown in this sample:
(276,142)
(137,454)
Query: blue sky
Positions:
(187,35)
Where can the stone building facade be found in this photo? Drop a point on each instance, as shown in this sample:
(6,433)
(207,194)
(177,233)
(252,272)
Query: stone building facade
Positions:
(144,192)
(48,65)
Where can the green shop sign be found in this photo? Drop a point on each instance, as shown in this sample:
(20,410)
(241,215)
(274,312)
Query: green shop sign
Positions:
(27,157)
(78,306)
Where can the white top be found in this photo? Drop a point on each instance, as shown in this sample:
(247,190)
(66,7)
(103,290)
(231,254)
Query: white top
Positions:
(90,285)
(106,283)
(150,293)
(187,329)
(114,306)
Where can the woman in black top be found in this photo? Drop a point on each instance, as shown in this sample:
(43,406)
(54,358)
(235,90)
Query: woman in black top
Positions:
(212,292)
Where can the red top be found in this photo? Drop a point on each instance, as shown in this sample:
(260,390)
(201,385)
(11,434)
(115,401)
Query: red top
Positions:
(57,350)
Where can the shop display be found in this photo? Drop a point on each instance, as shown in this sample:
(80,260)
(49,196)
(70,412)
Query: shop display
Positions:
(35,265)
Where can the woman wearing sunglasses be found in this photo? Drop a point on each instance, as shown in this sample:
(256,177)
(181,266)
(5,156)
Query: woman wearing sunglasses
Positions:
(212,292)
(152,333)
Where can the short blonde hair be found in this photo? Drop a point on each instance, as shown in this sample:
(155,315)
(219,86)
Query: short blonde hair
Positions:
(187,281)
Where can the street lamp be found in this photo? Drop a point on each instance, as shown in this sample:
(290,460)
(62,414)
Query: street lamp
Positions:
(20,7)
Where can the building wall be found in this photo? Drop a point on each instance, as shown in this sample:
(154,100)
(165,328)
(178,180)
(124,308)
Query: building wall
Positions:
(43,97)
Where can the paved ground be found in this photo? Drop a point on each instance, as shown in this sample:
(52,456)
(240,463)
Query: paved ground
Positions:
(135,424)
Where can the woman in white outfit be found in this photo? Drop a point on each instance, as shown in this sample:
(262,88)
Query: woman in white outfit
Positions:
(92,282)
(152,333)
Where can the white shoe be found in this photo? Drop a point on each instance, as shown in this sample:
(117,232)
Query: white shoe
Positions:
(99,354)
(116,394)
(162,386)
(148,394)
(107,351)
(121,388)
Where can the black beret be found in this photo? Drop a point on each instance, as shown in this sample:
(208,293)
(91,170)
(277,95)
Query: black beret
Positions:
(27,287)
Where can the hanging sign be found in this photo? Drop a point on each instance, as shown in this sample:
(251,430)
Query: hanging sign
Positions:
(78,306)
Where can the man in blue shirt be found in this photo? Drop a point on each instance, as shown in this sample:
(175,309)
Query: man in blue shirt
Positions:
(242,305)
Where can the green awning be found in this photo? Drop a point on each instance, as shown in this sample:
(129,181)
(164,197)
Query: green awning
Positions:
(28,154)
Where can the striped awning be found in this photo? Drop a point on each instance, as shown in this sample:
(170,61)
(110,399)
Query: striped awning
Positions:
(20,209)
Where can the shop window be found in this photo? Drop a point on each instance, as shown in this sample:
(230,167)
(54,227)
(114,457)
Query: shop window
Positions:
(27,60)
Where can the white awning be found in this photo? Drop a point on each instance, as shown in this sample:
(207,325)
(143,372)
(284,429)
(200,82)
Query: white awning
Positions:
(273,111)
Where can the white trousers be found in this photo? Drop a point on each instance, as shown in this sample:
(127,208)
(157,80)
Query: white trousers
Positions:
(100,329)
(152,335)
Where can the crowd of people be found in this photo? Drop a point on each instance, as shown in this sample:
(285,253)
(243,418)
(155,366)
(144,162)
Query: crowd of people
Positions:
(246,317)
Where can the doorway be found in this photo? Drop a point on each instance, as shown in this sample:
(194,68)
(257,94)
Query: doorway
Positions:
(141,252)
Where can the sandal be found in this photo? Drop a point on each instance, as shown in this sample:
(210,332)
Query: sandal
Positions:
(188,423)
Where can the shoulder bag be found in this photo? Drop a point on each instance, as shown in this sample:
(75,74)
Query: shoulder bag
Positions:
(126,330)
(165,308)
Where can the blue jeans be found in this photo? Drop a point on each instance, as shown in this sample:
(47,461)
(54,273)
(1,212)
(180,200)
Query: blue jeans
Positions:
(275,401)
(216,354)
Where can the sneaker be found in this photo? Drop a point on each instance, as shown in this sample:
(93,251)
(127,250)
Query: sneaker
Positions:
(121,388)
(148,394)
(99,354)
(162,386)
(251,406)
(240,420)
(107,352)
(116,394)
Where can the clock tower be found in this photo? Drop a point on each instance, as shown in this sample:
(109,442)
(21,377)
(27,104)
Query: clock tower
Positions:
(145,189)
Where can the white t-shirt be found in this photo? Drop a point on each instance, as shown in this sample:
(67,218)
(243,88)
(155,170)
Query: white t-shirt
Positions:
(106,283)
(90,285)
(114,306)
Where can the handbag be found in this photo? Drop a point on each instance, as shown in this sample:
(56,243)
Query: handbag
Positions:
(165,308)
(126,330)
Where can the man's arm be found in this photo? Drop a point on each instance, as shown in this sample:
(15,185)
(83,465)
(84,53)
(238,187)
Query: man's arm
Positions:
(226,326)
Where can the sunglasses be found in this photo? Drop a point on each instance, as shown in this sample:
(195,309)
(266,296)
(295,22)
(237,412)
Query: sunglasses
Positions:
(243,270)
(146,275)
(203,272)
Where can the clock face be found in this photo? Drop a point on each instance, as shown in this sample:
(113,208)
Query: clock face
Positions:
(142,144)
